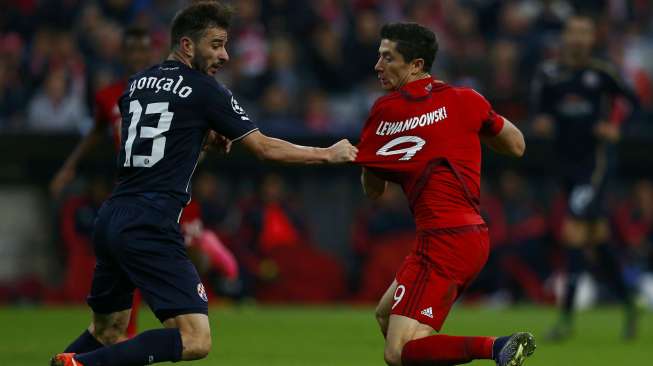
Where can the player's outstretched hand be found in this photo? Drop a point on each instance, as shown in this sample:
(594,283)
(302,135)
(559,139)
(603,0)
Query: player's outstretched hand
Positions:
(342,152)
(215,141)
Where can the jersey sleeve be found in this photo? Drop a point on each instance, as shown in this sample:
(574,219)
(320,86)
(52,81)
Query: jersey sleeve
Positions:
(225,115)
(483,118)
(540,98)
(101,113)
(618,89)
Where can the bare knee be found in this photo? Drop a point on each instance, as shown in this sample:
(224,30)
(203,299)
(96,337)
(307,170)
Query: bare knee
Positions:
(110,329)
(196,343)
(392,355)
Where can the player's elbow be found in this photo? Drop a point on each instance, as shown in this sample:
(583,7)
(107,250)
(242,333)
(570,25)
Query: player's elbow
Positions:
(518,148)
(516,145)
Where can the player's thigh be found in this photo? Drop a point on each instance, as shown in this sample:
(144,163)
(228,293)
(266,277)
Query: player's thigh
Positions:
(401,330)
(385,303)
(167,279)
(575,232)
(110,328)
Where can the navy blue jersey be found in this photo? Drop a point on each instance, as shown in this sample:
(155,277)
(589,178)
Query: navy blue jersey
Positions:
(166,112)
(577,99)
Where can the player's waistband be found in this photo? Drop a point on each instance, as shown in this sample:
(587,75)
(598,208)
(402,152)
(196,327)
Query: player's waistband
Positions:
(453,230)
(162,202)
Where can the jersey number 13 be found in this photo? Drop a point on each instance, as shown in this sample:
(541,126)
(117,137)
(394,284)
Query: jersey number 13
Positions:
(155,133)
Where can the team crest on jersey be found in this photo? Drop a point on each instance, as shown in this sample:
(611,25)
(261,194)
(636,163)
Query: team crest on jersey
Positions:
(236,107)
(590,79)
(202,292)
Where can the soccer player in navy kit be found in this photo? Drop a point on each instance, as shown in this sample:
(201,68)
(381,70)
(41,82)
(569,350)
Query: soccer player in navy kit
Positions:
(570,101)
(167,112)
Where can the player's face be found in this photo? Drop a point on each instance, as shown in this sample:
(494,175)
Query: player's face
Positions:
(578,37)
(210,52)
(391,69)
(137,53)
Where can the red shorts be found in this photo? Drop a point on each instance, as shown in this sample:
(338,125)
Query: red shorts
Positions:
(434,275)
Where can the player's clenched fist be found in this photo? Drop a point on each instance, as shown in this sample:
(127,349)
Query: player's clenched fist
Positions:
(342,152)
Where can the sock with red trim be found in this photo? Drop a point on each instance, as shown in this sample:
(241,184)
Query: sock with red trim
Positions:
(441,350)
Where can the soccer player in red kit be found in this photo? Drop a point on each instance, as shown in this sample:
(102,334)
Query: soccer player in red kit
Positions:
(425,135)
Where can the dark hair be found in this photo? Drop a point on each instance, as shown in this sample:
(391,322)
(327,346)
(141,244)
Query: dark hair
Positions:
(134,32)
(196,18)
(413,41)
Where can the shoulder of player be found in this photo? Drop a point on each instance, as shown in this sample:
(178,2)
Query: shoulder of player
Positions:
(604,67)
(111,90)
(467,93)
(385,100)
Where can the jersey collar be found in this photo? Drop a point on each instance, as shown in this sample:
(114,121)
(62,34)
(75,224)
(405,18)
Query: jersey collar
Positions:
(417,89)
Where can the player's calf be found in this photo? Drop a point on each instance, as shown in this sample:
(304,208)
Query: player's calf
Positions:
(110,328)
(195,335)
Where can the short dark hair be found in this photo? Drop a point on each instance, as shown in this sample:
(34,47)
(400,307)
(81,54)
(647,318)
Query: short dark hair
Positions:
(413,41)
(196,18)
(134,32)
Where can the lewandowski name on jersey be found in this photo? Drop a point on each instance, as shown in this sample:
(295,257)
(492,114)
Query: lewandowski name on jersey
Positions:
(426,119)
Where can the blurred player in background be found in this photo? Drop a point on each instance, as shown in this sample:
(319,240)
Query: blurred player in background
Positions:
(572,103)
(425,135)
(168,111)
(136,56)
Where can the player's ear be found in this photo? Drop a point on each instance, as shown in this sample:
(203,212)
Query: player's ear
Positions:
(187,46)
(417,66)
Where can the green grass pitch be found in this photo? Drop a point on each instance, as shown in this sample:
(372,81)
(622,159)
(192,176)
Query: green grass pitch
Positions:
(254,335)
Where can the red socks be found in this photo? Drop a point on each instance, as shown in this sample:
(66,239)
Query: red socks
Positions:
(441,350)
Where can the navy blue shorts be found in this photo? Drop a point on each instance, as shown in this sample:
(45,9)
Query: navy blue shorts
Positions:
(586,199)
(139,246)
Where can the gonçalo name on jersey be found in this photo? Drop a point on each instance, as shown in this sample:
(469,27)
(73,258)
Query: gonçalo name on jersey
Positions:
(426,119)
(165,84)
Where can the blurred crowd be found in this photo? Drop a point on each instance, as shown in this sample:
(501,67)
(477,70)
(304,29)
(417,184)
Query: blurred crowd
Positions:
(304,67)
(278,257)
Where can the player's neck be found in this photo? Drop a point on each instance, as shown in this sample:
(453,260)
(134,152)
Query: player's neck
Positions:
(575,61)
(176,55)
(411,78)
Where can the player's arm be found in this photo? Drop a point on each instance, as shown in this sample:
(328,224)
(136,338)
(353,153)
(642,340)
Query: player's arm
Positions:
(542,122)
(273,149)
(373,185)
(509,140)
(68,171)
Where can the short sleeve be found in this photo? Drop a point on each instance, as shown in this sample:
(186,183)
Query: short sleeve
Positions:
(484,119)
(225,115)
(100,111)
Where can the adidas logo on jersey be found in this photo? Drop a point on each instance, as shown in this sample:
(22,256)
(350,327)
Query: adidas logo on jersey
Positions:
(427,312)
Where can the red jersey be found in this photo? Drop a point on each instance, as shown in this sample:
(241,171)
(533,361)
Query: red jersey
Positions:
(106,109)
(425,137)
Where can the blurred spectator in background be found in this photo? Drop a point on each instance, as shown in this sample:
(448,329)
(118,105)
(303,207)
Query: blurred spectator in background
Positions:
(286,48)
(56,107)
(383,235)
(136,56)
(633,225)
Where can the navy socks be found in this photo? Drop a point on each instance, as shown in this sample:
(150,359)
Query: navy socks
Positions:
(84,343)
(152,346)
